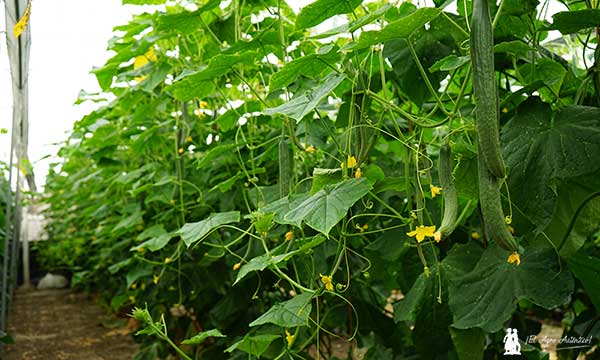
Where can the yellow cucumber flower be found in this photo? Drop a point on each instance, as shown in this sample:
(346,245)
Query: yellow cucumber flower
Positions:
(421,232)
(289,338)
(514,258)
(435,190)
(351,163)
(326,280)
(358,173)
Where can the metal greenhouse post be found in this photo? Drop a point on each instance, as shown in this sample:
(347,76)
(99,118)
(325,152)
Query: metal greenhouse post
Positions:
(18,37)
(7,239)
(16,237)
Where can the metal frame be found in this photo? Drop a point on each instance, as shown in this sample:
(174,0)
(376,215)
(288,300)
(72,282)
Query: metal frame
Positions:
(8,239)
(18,54)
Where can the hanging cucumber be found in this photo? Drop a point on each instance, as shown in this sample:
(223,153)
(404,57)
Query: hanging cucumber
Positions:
(484,88)
(286,165)
(491,208)
(448,190)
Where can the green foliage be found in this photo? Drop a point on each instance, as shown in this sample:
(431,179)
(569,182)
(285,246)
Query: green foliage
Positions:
(568,22)
(324,209)
(543,146)
(303,104)
(486,296)
(291,313)
(321,10)
(200,337)
(193,232)
(6,338)
(254,345)
(259,178)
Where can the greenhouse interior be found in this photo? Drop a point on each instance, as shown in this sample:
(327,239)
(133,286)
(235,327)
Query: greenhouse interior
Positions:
(300,179)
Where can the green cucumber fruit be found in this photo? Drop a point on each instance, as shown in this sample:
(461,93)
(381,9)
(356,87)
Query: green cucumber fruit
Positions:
(286,166)
(448,190)
(484,88)
(491,208)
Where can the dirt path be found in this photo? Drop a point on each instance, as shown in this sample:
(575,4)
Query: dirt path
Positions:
(63,325)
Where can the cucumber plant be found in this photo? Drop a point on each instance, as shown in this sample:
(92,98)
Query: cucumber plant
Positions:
(257,182)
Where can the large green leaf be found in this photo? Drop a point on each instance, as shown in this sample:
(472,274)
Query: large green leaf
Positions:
(573,195)
(184,22)
(541,146)
(321,10)
(302,105)
(356,24)
(254,345)
(200,337)
(465,171)
(548,71)
(408,308)
(192,232)
(519,7)
(199,84)
(515,47)
(586,268)
(290,313)
(130,221)
(155,75)
(487,296)
(450,62)
(469,343)
(399,29)
(329,205)
(144,2)
(462,259)
(188,89)
(261,262)
(283,206)
(138,272)
(310,66)
(426,305)
(221,65)
(150,232)
(156,243)
(568,22)
(323,177)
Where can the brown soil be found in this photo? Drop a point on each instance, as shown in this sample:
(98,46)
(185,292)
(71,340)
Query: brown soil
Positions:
(64,325)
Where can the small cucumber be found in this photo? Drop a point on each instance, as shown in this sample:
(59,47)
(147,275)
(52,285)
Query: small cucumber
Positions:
(448,190)
(491,208)
(286,166)
(484,88)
